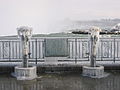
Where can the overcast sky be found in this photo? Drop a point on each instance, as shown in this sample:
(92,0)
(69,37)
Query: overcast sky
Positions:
(46,16)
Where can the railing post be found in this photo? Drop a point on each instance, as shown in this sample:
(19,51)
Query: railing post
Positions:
(75,50)
(3,49)
(114,50)
(29,51)
(68,47)
(36,50)
(101,50)
(45,47)
(9,51)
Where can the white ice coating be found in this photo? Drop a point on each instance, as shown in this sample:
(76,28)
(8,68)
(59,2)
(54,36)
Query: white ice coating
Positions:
(117,27)
(95,31)
(24,33)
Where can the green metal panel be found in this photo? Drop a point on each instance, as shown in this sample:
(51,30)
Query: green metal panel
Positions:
(56,48)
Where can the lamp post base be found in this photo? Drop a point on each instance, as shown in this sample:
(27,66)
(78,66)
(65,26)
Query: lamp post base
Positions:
(22,73)
(93,72)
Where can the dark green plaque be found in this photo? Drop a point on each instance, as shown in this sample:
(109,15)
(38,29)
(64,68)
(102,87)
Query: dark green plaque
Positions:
(56,48)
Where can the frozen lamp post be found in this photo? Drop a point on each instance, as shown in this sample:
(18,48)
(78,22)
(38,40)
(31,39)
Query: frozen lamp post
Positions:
(25,72)
(94,39)
(93,71)
(24,33)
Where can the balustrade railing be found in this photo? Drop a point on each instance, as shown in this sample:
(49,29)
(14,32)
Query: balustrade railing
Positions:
(78,49)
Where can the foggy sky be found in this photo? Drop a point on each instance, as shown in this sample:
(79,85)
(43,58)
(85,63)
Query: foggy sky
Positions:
(47,16)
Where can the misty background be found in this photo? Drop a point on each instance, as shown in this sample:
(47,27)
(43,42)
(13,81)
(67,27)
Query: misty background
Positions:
(51,16)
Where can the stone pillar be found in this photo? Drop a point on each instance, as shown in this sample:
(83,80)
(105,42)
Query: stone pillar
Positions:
(24,33)
(94,39)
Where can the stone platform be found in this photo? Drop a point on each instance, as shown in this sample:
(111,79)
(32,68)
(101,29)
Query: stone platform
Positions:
(93,72)
(28,73)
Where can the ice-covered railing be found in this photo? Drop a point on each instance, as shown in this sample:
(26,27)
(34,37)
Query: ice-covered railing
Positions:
(78,47)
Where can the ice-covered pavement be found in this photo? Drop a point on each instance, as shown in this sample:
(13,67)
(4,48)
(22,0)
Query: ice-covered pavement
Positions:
(104,63)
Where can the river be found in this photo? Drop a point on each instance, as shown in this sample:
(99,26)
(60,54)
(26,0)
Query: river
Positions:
(63,81)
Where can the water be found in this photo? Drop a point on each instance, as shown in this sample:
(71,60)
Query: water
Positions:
(70,81)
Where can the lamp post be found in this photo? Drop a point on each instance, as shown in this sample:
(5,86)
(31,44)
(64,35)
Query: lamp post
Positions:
(24,33)
(94,39)
(25,72)
(93,70)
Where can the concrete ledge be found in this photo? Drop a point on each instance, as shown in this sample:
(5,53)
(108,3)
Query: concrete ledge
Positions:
(28,73)
(93,72)
(53,60)
(42,68)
